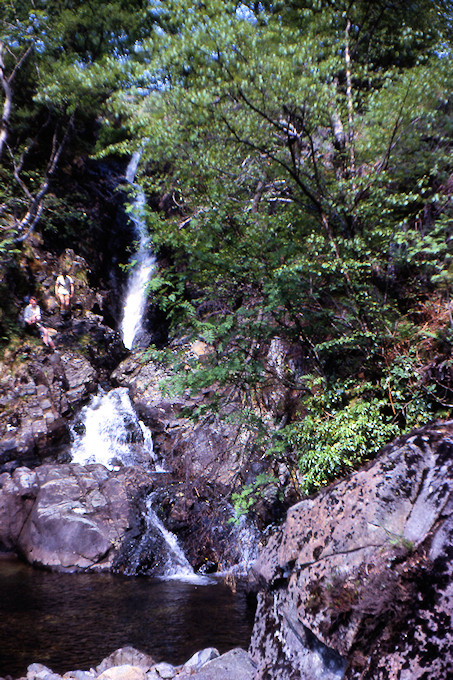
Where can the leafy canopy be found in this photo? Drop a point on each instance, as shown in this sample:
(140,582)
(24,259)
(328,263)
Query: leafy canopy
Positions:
(303,149)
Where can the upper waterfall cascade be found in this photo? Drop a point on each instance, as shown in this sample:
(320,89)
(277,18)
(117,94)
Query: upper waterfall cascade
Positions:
(143,264)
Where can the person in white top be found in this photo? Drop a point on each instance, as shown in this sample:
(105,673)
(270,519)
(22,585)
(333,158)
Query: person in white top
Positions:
(64,291)
(32,318)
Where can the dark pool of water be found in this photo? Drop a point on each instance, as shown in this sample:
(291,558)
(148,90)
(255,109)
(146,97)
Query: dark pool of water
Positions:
(73,621)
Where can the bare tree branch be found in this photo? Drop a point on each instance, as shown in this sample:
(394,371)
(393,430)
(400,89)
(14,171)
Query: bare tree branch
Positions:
(7,86)
(31,218)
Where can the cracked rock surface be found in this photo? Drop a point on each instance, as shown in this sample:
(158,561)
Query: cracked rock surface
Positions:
(357,584)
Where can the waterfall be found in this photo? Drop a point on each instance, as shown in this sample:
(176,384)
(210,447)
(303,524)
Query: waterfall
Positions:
(109,432)
(176,561)
(157,552)
(143,264)
(247,538)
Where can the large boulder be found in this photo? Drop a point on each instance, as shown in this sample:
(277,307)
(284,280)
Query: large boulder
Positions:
(68,517)
(357,583)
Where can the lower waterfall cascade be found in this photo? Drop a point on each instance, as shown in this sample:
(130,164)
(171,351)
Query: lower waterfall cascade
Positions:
(108,432)
(164,545)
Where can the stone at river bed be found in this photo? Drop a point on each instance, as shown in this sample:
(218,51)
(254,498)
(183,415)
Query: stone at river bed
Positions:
(130,664)
(124,672)
(126,655)
(67,517)
(357,583)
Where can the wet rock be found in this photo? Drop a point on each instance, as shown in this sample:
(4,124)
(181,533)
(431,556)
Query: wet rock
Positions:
(207,460)
(40,391)
(17,495)
(144,380)
(67,517)
(214,450)
(80,377)
(357,583)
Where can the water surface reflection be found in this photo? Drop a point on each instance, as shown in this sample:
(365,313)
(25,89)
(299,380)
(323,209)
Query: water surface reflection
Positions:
(73,621)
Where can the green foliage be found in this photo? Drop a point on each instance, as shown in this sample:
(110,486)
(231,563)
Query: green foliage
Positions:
(59,62)
(345,424)
(245,499)
(249,147)
(411,400)
(333,442)
(302,205)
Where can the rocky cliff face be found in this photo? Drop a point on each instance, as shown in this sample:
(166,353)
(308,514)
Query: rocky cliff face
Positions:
(41,390)
(357,583)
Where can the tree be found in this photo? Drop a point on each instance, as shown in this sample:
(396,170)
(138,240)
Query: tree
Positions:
(295,142)
(59,61)
(301,111)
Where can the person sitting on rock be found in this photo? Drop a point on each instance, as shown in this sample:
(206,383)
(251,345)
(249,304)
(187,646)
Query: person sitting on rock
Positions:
(32,318)
(64,291)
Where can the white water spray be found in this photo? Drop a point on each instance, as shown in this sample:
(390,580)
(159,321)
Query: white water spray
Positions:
(109,432)
(177,566)
(144,263)
(157,552)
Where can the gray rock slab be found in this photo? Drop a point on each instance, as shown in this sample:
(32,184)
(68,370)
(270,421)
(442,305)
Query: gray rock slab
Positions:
(234,665)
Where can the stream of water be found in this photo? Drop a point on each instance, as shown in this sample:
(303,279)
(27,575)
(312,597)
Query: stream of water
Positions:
(108,431)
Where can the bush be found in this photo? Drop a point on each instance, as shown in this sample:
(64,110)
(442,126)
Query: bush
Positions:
(331,444)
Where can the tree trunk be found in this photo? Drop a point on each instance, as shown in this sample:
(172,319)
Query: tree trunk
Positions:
(347,59)
(7,104)
(7,86)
